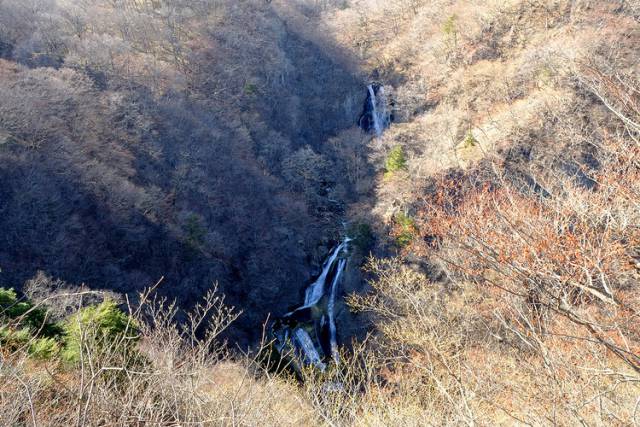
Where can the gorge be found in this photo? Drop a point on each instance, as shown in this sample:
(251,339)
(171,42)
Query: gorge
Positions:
(319,213)
(309,332)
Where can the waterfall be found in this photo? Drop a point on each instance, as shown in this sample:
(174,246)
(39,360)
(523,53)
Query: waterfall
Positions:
(315,291)
(331,309)
(310,330)
(374,111)
(377,126)
(308,349)
(379,114)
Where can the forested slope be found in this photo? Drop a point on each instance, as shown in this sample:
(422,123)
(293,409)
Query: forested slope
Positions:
(175,139)
(495,220)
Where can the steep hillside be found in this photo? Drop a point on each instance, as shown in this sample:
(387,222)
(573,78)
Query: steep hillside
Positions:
(507,198)
(494,217)
(175,139)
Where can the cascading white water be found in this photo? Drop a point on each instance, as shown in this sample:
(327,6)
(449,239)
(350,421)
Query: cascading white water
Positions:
(302,319)
(377,126)
(331,309)
(379,113)
(315,291)
(307,348)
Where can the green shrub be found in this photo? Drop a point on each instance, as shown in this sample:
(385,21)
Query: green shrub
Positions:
(97,327)
(8,299)
(44,348)
(195,231)
(408,229)
(449,27)
(469,141)
(23,325)
(396,160)
(450,30)
(250,89)
(12,308)
(14,338)
(22,322)
(362,236)
(39,348)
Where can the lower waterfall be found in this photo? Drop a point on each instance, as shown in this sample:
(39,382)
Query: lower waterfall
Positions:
(309,332)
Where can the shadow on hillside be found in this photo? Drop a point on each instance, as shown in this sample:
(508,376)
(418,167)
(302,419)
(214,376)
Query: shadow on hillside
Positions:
(213,212)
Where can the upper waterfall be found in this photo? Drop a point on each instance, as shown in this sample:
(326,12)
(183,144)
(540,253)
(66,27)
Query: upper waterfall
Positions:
(377,122)
(376,115)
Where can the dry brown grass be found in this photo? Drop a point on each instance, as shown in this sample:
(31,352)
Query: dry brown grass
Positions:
(180,375)
(535,225)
